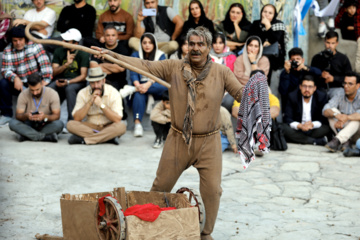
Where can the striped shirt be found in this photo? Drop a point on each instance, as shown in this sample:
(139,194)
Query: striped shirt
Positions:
(341,103)
(32,58)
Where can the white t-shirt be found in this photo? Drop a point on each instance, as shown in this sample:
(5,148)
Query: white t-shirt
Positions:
(48,15)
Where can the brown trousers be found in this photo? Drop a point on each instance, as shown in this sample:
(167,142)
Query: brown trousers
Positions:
(86,131)
(206,156)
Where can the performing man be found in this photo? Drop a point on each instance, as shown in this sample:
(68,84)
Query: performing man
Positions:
(197,89)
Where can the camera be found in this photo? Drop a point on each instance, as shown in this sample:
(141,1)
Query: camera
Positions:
(327,53)
(294,64)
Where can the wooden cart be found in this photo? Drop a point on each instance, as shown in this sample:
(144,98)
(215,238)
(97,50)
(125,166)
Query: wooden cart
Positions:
(81,219)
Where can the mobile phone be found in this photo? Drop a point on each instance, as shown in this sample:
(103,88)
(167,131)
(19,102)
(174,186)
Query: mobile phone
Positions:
(61,80)
(149,12)
(35,113)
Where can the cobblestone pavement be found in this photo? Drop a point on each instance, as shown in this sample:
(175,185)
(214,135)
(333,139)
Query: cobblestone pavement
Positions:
(303,193)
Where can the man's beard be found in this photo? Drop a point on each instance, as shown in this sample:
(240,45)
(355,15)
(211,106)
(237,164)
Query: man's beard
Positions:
(307,97)
(77,1)
(101,90)
(38,95)
(111,9)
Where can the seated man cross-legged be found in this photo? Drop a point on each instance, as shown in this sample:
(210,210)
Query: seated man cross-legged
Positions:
(101,107)
(37,112)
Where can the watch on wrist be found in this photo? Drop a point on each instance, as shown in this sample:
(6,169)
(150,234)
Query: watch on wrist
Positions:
(252,63)
(68,82)
(335,113)
(46,119)
(102,106)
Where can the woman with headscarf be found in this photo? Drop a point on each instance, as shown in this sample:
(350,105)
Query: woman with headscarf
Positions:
(183,49)
(220,53)
(235,27)
(197,17)
(251,60)
(148,50)
(271,31)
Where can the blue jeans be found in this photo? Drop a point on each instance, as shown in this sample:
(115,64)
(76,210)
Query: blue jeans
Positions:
(139,100)
(6,91)
(224,142)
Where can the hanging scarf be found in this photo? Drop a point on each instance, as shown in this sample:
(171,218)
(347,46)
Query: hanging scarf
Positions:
(190,82)
(254,117)
(225,53)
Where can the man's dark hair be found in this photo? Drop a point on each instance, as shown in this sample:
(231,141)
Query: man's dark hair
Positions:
(165,96)
(353,74)
(34,79)
(332,34)
(17,32)
(296,51)
(109,26)
(308,77)
(348,3)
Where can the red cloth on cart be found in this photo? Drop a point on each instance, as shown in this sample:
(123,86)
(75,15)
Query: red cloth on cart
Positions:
(147,212)
(102,205)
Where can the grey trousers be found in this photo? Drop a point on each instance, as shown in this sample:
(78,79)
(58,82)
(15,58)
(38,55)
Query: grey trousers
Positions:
(28,129)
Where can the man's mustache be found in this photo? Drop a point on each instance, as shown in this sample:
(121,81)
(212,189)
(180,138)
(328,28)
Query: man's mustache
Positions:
(195,53)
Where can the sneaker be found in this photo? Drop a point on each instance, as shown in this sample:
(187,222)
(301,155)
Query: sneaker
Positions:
(331,24)
(321,141)
(21,138)
(65,131)
(322,30)
(349,152)
(4,120)
(50,138)
(138,130)
(73,139)
(158,143)
(345,145)
(127,90)
(333,145)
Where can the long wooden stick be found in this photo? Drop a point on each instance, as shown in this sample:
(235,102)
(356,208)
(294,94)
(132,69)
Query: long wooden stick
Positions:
(91,51)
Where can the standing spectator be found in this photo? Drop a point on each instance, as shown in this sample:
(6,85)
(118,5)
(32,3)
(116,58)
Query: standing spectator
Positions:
(37,112)
(70,69)
(294,70)
(117,17)
(40,13)
(20,59)
(144,86)
(183,49)
(271,31)
(343,112)
(160,118)
(79,15)
(323,28)
(346,21)
(304,122)
(97,113)
(235,26)
(333,65)
(197,17)
(5,25)
(166,27)
(116,75)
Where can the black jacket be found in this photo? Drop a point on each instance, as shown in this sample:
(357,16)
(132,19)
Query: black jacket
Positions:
(162,20)
(294,109)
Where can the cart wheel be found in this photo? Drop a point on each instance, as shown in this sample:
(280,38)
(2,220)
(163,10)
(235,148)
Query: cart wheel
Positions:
(197,202)
(110,226)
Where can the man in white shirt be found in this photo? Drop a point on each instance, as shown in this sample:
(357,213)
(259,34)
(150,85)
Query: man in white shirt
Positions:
(304,122)
(40,13)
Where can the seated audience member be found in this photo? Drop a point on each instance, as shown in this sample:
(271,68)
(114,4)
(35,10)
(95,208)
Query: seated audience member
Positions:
(120,19)
(79,15)
(343,112)
(37,112)
(235,27)
(40,13)
(183,49)
(197,17)
(226,131)
(100,105)
(271,31)
(20,59)
(333,65)
(345,20)
(353,152)
(160,118)
(304,122)
(166,27)
(144,86)
(294,70)
(251,60)
(70,68)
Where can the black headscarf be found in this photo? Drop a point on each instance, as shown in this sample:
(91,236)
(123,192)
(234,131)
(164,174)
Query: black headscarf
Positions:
(202,19)
(244,24)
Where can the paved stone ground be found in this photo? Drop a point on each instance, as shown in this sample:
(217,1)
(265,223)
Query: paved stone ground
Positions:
(303,193)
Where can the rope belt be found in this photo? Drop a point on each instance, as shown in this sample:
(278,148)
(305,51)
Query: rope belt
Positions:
(197,135)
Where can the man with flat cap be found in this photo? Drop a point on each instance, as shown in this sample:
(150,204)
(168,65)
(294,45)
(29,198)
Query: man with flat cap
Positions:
(100,105)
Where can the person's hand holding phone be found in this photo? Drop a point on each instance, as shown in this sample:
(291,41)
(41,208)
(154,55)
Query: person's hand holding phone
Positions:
(36,116)
(61,83)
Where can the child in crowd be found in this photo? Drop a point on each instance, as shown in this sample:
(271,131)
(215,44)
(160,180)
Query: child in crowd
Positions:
(227,131)
(346,22)
(160,118)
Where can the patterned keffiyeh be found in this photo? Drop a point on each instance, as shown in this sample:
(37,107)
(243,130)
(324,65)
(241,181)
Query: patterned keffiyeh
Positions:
(254,122)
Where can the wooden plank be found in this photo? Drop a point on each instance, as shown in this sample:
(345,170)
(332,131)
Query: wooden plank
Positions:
(120,195)
(158,198)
